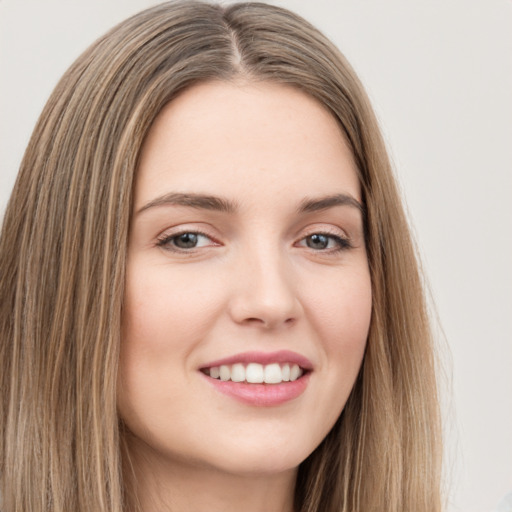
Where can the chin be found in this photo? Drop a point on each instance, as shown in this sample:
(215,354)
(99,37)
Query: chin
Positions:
(260,458)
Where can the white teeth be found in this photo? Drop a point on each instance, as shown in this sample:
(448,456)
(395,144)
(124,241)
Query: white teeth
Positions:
(295,372)
(255,373)
(238,373)
(225,374)
(273,374)
(286,372)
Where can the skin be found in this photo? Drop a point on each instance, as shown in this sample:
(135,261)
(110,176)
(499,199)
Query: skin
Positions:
(255,281)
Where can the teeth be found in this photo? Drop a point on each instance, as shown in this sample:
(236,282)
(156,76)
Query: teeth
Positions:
(286,372)
(295,372)
(225,373)
(255,373)
(273,374)
(238,373)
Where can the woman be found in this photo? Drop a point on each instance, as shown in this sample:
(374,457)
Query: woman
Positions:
(210,296)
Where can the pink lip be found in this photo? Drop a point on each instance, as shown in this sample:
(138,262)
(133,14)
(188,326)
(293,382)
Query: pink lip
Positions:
(282,356)
(262,395)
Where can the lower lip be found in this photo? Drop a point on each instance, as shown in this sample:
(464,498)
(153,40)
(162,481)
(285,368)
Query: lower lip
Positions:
(261,395)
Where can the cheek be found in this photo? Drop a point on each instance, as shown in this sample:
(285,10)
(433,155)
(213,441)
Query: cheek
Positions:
(341,317)
(167,310)
(165,316)
(342,309)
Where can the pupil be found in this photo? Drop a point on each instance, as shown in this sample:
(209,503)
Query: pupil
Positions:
(317,242)
(186,240)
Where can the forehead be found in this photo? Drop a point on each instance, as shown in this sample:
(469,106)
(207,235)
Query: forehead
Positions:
(248,140)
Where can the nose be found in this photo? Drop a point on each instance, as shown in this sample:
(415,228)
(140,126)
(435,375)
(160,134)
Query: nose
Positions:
(265,291)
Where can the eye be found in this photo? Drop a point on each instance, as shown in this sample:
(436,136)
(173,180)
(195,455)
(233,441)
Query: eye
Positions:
(185,241)
(325,242)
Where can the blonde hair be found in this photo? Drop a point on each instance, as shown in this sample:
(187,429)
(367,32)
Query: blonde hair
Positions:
(62,262)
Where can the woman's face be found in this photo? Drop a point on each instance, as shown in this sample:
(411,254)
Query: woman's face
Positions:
(246,262)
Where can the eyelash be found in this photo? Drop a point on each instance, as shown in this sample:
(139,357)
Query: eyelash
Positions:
(166,242)
(342,243)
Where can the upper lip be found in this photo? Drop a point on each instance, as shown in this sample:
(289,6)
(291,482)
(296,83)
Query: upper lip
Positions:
(281,356)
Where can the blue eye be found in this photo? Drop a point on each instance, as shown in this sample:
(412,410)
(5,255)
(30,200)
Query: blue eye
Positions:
(318,241)
(185,241)
(324,241)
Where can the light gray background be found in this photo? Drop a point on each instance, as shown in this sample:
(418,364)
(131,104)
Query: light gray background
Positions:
(440,76)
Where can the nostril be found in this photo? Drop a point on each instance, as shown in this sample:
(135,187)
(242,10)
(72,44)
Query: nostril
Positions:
(268,321)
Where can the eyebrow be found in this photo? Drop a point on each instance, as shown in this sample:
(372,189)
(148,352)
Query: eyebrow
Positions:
(324,203)
(199,201)
(215,203)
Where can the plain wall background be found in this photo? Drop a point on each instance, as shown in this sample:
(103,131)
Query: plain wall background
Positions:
(440,77)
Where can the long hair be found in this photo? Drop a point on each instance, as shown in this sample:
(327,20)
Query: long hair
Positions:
(62,263)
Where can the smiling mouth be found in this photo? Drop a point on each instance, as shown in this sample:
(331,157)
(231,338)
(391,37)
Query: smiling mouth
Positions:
(255,373)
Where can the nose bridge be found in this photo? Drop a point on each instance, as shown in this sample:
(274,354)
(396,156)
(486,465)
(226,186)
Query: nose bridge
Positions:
(265,293)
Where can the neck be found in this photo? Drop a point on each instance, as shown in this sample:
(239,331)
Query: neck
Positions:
(170,486)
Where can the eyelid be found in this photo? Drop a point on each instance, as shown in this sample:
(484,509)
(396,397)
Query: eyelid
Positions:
(163,240)
(343,241)
(324,229)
